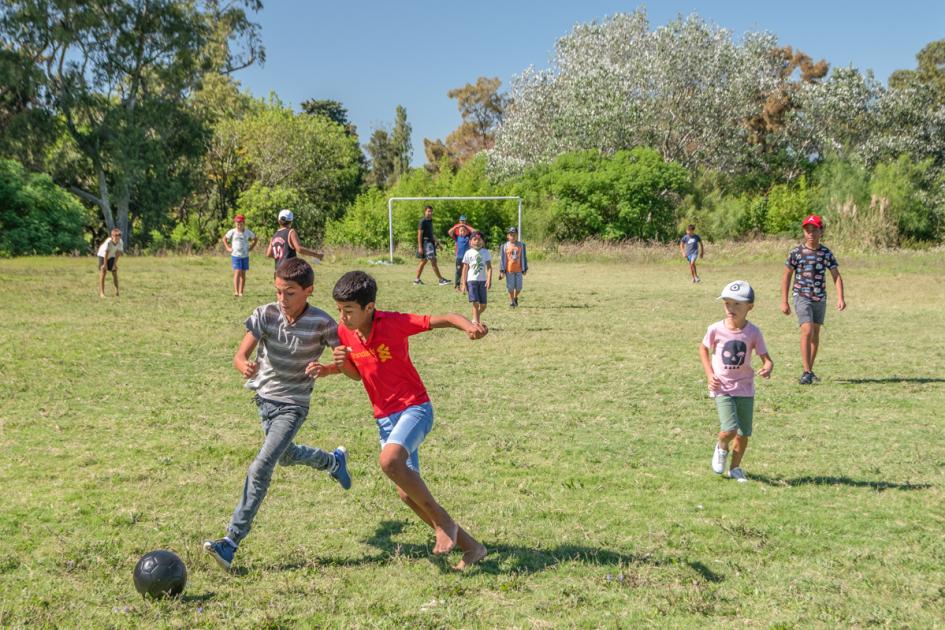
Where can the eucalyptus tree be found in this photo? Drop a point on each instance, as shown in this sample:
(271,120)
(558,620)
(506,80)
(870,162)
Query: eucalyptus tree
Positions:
(685,89)
(118,74)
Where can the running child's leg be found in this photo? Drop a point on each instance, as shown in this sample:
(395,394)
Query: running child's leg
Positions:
(115,280)
(814,344)
(393,462)
(473,550)
(806,345)
(236,282)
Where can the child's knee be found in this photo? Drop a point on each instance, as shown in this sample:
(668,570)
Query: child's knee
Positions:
(392,463)
(727,436)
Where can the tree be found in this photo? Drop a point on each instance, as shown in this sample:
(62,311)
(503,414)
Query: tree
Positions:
(310,155)
(380,150)
(118,74)
(332,110)
(401,142)
(685,89)
(481,108)
(930,71)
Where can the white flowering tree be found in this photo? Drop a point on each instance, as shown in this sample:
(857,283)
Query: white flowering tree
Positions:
(685,89)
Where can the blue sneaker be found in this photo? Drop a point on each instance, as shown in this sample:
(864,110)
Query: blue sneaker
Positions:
(341,472)
(222,551)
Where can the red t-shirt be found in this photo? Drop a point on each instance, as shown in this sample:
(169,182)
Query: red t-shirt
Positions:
(388,374)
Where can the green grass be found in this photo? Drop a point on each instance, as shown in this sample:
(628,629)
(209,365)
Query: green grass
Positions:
(574,441)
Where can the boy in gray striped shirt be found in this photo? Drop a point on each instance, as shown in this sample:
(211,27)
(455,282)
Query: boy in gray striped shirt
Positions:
(287,335)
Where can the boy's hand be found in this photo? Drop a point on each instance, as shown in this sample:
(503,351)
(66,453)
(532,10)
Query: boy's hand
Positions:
(785,308)
(841,304)
(715,384)
(488,284)
(501,275)
(765,371)
(478,331)
(316,370)
(246,367)
(339,355)
(463,287)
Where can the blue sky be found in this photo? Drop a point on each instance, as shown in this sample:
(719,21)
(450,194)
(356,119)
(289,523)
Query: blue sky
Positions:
(375,55)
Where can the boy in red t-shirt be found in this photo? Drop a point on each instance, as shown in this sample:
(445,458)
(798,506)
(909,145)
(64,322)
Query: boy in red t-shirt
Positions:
(374,350)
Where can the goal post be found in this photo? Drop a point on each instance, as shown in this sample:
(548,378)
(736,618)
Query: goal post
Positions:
(390,211)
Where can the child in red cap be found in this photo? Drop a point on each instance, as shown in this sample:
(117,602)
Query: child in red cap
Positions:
(809,263)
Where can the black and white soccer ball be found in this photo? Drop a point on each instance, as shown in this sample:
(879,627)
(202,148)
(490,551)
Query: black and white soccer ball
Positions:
(160,573)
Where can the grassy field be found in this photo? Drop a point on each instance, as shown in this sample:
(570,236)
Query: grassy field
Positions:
(574,441)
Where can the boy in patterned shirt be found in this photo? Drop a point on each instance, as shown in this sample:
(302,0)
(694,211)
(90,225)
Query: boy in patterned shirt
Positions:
(374,350)
(809,263)
(288,336)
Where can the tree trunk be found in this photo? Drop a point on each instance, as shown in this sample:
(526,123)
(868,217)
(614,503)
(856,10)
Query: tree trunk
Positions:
(103,200)
(124,200)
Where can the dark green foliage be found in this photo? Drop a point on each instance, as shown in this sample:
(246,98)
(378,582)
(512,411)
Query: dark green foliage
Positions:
(632,194)
(36,216)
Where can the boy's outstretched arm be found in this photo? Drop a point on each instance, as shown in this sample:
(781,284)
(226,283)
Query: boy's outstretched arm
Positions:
(457,321)
(241,361)
(341,364)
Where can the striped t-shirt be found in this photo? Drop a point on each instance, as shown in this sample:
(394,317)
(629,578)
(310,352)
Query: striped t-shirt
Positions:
(285,349)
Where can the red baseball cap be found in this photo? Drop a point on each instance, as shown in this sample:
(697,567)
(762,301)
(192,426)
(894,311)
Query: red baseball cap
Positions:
(240,218)
(814,220)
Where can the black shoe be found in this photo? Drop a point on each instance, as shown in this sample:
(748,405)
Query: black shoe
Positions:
(807,378)
(814,378)
(515,302)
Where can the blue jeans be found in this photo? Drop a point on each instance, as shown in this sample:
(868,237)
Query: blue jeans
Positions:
(280,422)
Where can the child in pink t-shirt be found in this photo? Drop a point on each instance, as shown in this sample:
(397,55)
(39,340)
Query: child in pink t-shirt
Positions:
(726,357)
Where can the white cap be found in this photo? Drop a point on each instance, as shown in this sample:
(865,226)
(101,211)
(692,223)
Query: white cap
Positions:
(739,290)
(286,214)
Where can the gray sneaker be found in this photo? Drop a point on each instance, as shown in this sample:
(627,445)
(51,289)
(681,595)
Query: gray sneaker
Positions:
(718,459)
(807,378)
(738,475)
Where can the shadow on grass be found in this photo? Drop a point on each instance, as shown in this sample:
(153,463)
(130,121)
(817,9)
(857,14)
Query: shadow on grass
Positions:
(502,559)
(879,486)
(891,379)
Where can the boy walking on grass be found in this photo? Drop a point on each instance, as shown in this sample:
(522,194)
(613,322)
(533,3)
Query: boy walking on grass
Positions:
(288,335)
(690,246)
(513,264)
(374,350)
(809,263)
(477,275)
(726,358)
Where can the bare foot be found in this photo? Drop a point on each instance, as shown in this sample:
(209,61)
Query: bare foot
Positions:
(101,295)
(471,557)
(445,538)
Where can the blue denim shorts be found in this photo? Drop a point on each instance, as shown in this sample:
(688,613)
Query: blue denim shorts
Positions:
(240,264)
(692,257)
(476,290)
(407,428)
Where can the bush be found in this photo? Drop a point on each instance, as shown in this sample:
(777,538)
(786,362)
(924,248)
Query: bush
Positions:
(36,215)
(904,186)
(631,194)
(787,206)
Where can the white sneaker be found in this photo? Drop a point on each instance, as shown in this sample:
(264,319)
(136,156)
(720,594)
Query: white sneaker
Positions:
(738,475)
(718,459)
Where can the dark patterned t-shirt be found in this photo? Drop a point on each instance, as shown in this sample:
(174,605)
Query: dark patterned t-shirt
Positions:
(810,271)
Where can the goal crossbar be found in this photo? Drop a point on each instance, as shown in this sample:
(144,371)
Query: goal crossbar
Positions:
(390,211)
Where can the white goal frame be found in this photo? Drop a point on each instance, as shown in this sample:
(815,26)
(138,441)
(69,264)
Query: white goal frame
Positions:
(390,212)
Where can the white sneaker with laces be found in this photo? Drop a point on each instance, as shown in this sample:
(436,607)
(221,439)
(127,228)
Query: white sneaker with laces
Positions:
(718,459)
(738,475)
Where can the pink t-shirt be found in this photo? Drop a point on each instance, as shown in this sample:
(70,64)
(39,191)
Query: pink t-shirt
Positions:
(731,357)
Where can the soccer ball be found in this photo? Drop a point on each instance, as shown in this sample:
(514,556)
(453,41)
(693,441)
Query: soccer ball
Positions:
(160,574)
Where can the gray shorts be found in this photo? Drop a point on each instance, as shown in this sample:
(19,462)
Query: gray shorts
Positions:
(513,281)
(809,311)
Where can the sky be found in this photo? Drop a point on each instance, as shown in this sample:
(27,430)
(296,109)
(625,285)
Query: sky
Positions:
(373,55)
